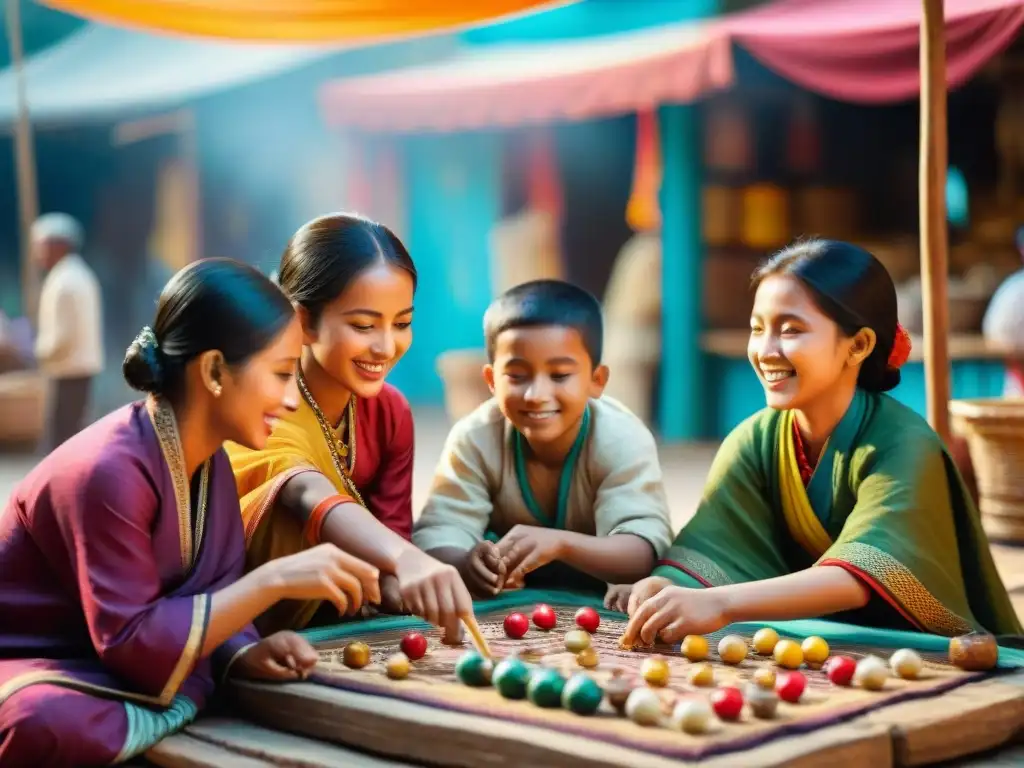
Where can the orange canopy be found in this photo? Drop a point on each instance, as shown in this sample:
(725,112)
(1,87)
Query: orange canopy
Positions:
(297,20)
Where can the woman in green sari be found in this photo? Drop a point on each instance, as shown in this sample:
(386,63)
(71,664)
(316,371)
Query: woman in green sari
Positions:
(835,500)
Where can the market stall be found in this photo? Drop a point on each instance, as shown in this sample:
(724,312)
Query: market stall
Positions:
(737,180)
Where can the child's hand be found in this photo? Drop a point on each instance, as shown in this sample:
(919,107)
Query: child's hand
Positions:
(644,590)
(484,570)
(674,613)
(528,547)
(617,597)
(281,656)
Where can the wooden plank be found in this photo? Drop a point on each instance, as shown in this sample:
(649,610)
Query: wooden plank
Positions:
(421,733)
(183,751)
(962,722)
(231,743)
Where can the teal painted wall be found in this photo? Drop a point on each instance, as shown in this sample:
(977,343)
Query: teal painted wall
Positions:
(453,193)
(732,391)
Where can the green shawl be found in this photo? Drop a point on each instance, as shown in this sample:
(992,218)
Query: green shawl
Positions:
(886,503)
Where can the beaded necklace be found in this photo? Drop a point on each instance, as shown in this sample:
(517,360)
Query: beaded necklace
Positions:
(337,448)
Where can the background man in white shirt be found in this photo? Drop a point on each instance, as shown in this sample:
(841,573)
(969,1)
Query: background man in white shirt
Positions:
(69,345)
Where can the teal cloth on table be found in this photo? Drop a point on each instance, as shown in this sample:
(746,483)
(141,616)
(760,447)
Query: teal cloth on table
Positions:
(833,632)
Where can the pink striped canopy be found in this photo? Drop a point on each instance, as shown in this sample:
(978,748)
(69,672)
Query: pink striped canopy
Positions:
(854,50)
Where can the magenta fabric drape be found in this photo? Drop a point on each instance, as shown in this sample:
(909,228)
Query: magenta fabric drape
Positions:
(867,51)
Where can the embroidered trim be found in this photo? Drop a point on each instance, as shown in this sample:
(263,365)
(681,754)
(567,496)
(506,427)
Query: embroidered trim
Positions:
(193,645)
(801,521)
(699,566)
(885,573)
(166,426)
(269,497)
(231,662)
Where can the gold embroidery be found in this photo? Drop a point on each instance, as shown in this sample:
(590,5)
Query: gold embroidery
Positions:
(41,677)
(903,585)
(178,675)
(166,427)
(803,524)
(331,438)
(234,657)
(268,499)
(190,653)
(701,565)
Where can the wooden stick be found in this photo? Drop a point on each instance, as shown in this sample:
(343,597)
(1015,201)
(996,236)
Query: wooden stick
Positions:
(478,638)
(24,156)
(932,199)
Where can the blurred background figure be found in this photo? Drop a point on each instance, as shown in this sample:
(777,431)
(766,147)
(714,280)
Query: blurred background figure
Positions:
(1004,324)
(69,344)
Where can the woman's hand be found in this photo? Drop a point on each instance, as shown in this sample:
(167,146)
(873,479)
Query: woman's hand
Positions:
(325,573)
(644,590)
(617,597)
(281,656)
(675,612)
(434,591)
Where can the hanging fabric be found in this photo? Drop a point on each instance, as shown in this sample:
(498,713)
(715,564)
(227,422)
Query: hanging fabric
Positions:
(643,211)
(296,20)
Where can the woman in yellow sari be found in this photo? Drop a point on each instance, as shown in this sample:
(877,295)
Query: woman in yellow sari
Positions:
(339,469)
(836,498)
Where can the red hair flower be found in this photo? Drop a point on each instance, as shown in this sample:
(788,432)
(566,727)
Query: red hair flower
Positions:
(901,347)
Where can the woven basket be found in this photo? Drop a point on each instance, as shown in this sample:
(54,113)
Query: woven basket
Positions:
(995,433)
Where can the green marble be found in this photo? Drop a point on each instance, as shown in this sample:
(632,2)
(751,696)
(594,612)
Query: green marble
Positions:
(473,669)
(545,688)
(511,677)
(582,695)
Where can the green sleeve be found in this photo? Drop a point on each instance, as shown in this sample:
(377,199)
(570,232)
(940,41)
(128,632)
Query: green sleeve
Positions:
(909,537)
(733,536)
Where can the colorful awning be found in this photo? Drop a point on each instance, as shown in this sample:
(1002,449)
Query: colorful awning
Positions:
(868,51)
(854,50)
(334,21)
(504,85)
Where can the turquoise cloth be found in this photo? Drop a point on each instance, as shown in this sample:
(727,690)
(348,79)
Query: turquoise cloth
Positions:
(147,726)
(833,632)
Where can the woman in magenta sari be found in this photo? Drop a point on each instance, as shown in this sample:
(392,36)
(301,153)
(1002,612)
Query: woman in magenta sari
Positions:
(122,595)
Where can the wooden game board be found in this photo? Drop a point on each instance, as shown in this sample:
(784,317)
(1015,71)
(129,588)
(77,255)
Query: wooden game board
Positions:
(430,708)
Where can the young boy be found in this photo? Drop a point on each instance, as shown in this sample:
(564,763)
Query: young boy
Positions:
(546,474)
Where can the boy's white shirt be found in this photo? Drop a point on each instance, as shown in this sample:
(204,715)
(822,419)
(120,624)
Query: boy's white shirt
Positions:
(616,487)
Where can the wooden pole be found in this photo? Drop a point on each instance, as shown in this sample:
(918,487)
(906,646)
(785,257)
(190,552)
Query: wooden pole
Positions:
(24,156)
(932,196)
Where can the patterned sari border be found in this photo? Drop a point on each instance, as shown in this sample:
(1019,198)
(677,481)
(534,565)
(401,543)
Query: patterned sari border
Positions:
(270,496)
(193,645)
(897,584)
(46,677)
(699,566)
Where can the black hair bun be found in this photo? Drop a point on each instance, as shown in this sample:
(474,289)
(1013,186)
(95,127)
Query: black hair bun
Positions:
(142,367)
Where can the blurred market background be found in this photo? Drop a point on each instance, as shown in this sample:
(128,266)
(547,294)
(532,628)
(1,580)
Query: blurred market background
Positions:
(650,150)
